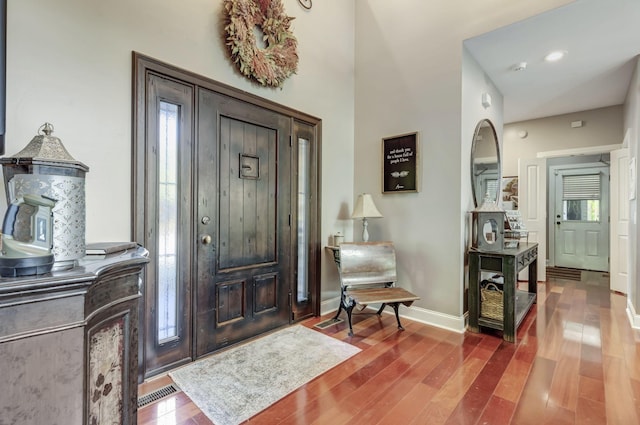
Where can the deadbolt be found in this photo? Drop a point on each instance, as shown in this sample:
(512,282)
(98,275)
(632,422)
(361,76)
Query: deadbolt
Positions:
(205,220)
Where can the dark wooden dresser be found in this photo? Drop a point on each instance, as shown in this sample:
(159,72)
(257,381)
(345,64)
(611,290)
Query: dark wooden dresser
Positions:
(69,343)
(506,263)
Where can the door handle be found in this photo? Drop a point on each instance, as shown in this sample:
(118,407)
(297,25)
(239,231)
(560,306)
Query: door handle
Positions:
(558,223)
(206,240)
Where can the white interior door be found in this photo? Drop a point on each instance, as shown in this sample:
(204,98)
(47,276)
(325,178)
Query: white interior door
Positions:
(581,218)
(532,203)
(619,195)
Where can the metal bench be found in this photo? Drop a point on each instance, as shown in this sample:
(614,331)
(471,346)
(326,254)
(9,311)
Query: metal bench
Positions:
(368,276)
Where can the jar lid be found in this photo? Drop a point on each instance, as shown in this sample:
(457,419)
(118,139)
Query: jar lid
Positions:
(488,205)
(45,148)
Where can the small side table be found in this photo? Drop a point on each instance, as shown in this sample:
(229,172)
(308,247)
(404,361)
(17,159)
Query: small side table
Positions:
(516,303)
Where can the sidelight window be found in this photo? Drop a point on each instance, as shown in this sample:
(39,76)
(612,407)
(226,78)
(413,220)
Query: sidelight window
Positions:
(167,222)
(304,194)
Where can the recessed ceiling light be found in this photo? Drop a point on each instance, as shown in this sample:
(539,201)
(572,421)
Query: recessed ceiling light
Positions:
(555,56)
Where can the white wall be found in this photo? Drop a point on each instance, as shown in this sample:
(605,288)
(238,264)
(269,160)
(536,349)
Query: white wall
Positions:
(409,78)
(602,126)
(632,133)
(69,63)
(475,82)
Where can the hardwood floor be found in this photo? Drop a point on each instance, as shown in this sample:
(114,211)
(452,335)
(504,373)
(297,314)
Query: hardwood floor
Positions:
(577,361)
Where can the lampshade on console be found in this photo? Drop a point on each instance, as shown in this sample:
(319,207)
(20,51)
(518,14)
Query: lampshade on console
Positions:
(365,208)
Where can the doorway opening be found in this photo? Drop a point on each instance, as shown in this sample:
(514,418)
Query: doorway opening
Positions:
(579,214)
(539,190)
(578,211)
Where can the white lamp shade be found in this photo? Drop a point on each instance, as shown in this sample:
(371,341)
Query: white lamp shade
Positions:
(365,207)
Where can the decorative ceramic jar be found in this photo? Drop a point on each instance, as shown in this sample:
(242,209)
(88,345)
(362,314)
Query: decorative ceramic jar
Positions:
(488,227)
(44,167)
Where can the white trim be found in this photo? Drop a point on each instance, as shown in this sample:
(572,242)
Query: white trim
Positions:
(634,319)
(434,318)
(327,306)
(579,151)
(627,138)
(418,314)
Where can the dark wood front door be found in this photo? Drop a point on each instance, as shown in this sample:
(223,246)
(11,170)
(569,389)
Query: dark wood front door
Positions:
(243,221)
(225,198)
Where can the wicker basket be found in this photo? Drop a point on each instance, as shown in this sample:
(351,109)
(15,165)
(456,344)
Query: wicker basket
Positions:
(491,302)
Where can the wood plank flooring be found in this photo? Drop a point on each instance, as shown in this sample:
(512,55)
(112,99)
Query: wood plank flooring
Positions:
(577,361)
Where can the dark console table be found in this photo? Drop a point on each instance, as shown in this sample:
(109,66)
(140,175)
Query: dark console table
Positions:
(516,303)
(68,343)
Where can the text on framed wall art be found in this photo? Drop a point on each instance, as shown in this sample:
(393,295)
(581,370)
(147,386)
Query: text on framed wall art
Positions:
(400,163)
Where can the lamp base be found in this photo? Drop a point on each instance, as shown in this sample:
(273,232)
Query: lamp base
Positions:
(365,232)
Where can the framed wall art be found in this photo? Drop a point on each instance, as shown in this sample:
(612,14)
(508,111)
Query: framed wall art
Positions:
(400,163)
(509,189)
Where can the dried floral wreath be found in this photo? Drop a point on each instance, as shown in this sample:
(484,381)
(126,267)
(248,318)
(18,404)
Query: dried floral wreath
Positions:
(271,65)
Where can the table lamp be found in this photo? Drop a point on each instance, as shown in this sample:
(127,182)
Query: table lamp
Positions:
(364,209)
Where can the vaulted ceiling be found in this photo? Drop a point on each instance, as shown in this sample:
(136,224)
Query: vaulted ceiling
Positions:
(601,40)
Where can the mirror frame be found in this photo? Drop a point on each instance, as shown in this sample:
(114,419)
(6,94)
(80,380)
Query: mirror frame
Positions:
(478,197)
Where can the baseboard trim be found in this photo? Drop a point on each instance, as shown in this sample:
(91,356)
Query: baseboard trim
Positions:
(422,315)
(329,305)
(435,318)
(634,319)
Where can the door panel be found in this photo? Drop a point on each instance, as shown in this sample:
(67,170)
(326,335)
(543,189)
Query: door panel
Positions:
(532,203)
(244,274)
(568,242)
(619,242)
(594,240)
(247,194)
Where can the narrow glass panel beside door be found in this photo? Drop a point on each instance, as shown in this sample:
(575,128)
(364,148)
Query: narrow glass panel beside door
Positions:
(163,216)
(304,181)
(167,222)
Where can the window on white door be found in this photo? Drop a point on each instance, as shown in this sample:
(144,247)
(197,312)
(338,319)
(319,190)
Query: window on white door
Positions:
(581,197)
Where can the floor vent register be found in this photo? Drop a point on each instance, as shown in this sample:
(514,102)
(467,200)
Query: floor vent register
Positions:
(157,395)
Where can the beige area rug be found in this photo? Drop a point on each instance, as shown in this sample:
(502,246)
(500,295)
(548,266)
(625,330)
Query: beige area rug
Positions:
(232,386)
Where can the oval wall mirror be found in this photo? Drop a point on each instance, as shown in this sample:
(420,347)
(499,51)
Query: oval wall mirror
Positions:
(485,163)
